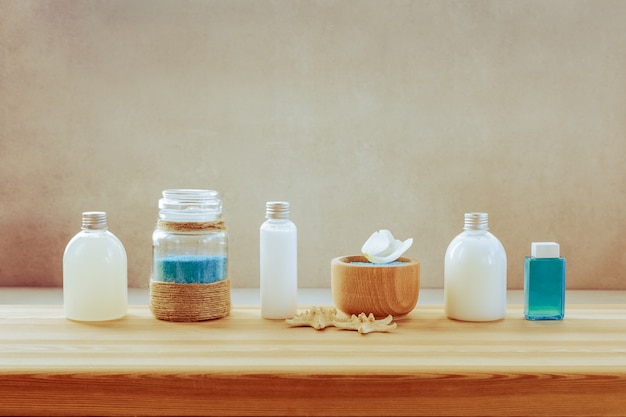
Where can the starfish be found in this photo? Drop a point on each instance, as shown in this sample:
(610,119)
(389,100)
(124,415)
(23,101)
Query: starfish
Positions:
(318,318)
(321,317)
(366,324)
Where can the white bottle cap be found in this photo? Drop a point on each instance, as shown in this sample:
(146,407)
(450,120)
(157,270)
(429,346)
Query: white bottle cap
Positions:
(545,250)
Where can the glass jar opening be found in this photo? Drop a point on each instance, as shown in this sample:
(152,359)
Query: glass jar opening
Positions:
(190,205)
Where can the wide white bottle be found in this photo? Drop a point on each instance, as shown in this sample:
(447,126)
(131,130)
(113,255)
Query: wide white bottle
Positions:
(475,273)
(95,282)
(278,263)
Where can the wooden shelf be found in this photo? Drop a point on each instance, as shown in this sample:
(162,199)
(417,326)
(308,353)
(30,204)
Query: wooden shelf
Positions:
(244,365)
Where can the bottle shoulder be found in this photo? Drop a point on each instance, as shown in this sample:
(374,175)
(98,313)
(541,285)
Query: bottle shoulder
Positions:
(92,240)
(473,243)
(545,260)
(475,238)
(278,225)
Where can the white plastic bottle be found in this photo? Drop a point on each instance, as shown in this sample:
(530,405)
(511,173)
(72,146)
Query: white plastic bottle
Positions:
(475,273)
(95,282)
(279,263)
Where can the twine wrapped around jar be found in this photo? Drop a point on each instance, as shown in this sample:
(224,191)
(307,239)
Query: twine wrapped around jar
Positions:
(190,301)
(190,226)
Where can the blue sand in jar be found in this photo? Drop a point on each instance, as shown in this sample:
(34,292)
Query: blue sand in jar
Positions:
(191,269)
(373,264)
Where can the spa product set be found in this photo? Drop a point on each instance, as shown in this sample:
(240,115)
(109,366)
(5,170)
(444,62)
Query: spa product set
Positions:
(475,276)
(190,280)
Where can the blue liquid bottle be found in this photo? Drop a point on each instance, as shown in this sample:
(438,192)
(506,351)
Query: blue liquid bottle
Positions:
(544,282)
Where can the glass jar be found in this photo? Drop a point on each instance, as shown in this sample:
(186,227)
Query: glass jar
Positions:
(190,248)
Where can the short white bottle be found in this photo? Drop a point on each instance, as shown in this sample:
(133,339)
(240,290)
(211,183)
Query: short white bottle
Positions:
(475,273)
(95,281)
(278,263)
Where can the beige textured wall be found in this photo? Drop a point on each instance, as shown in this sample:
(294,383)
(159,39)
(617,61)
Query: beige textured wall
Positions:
(363,114)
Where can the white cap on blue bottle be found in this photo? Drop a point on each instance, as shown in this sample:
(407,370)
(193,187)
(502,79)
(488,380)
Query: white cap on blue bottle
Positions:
(545,250)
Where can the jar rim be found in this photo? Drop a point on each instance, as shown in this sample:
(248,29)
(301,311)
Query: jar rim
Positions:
(187,204)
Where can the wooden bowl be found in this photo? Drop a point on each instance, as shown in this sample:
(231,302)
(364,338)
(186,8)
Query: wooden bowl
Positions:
(374,288)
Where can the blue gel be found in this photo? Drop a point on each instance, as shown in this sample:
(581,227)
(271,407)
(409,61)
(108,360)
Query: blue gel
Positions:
(191,269)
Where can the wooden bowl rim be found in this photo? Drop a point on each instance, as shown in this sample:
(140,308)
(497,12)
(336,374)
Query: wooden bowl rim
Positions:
(346,262)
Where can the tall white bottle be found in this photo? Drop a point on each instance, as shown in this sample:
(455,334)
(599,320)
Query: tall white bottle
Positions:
(279,263)
(95,282)
(475,273)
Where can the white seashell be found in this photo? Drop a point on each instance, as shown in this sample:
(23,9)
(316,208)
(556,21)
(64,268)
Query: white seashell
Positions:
(382,247)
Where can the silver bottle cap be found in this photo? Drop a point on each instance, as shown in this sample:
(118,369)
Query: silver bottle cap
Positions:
(476,221)
(277,210)
(94,220)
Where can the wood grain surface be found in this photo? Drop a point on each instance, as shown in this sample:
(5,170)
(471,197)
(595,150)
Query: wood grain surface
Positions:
(244,365)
